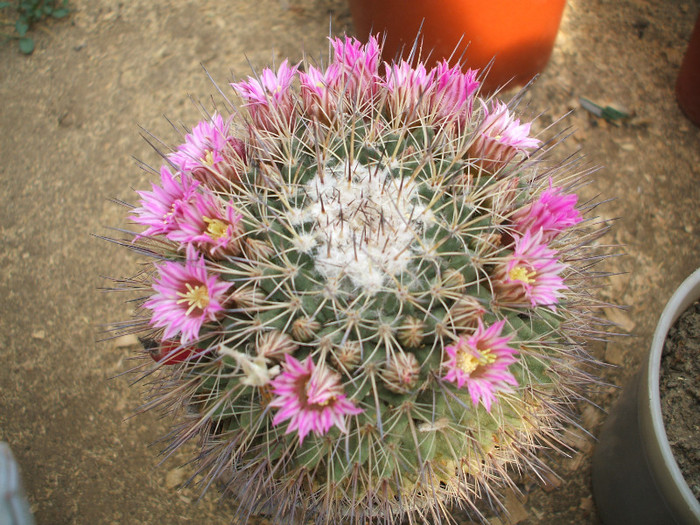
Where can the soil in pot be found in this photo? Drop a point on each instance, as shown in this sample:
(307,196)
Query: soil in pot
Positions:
(679,387)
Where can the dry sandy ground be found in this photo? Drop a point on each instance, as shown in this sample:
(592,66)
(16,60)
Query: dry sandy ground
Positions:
(69,119)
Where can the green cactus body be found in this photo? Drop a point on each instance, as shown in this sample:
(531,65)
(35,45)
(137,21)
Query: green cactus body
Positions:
(378,245)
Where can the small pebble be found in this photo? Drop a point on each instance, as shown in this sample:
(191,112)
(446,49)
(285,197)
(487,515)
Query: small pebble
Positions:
(126,341)
(175,478)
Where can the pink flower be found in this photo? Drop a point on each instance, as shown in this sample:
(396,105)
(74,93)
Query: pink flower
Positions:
(319,91)
(552,213)
(311,398)
(452,98)
(211,154)
(531,274)
(408,88)
(206,225)
(161,209)
(269,98)
(481,363)
(355,56)
(358,66)
(186,297)
(500,137)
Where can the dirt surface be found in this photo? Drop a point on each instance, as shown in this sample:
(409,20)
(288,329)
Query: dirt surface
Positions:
(69,119)
(679,386)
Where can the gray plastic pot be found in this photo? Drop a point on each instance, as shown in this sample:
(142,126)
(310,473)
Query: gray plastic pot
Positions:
(635,478)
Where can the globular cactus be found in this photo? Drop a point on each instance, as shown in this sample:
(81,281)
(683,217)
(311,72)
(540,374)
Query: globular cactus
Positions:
(369,291)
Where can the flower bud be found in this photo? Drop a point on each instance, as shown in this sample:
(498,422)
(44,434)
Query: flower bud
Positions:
(304,328)
(248,298)
(256,250)
(402,373)
(411,332)
(275,344)
(466,312)
(454,281)
(348,355)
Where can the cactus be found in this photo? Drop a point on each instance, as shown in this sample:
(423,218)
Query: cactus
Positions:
(368,294)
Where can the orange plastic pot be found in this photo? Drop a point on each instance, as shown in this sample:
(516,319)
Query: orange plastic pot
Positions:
(688,83)
(520,34)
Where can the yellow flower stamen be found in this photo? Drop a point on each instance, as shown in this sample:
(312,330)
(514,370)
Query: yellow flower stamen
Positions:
(326,402)
(195,297)
(166,217)
(468,362)
(208,158)
(216,228)
(520,273)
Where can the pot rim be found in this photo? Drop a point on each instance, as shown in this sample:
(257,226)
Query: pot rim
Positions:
(685,295)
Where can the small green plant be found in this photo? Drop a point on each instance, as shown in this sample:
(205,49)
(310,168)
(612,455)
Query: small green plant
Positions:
(30,12)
